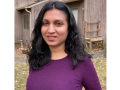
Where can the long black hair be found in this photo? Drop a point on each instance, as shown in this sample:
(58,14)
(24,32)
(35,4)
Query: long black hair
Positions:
(40,54)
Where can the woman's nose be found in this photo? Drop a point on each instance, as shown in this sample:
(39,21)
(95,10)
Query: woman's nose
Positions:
(51,29)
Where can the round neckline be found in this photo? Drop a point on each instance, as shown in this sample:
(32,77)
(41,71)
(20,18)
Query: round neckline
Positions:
(59,59)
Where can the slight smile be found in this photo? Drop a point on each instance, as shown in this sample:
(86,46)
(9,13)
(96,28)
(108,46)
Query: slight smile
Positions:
(51,38)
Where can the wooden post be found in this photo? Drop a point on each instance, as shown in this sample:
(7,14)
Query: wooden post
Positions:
(86,29)
(90,45)
(99,28)
(21,44)
(103,44)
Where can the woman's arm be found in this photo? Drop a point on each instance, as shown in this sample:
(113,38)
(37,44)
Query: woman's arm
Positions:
(90,79)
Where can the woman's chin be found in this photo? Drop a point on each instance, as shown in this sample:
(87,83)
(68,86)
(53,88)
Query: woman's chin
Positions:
(52,44)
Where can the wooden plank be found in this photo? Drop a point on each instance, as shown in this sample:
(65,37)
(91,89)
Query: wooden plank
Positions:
(93,22)
(99,28)
(96,39)
(86,29)
(93,30)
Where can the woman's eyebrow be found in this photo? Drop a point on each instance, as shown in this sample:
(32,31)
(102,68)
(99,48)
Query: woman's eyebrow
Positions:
(59,20)
(45,19)
(55,20)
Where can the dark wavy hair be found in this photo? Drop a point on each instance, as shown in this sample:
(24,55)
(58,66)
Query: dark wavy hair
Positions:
(40,54)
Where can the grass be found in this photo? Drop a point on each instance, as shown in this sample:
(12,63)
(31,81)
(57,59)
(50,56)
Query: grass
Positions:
(100,66)
(21,73)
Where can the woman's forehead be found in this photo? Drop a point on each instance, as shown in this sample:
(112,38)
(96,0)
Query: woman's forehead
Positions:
(55,14)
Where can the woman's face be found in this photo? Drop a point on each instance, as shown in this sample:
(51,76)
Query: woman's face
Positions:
(54,27)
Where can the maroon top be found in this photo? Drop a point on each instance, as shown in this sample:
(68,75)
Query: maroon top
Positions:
(59,75)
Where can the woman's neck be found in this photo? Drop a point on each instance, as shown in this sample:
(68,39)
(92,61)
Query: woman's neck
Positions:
(57,52)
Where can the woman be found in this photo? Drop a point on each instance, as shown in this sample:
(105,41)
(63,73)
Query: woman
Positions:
(57,59)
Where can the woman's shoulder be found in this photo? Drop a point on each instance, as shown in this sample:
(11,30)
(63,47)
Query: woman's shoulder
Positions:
(86,60)
(85,63)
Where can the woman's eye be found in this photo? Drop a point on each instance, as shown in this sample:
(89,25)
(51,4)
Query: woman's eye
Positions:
(45,23)
(58,24)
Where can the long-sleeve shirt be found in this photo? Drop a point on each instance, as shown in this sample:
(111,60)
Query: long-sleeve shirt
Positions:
(59,75)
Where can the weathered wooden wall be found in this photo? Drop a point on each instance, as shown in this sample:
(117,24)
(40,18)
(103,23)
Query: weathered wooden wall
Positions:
(78,5)
(26,32)
(19,32)
(93,11)
(90,10)
(18,26)
(19,3)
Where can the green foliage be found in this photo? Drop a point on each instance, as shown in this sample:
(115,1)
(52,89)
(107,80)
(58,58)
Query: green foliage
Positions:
(87,50)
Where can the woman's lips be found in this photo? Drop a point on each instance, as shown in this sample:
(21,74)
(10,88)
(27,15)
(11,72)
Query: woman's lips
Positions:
(51,38)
